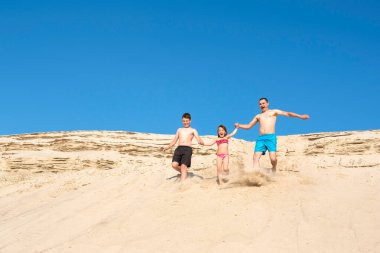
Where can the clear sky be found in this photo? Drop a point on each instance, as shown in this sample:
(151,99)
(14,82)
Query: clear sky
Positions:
(138,65)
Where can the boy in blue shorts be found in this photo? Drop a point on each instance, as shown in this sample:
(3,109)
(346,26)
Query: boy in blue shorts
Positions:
(267,139)
(266,142)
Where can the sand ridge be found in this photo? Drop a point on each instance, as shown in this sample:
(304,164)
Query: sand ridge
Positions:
(104,191)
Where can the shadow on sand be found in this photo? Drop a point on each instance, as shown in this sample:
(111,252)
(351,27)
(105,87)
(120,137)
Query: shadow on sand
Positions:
(189,175)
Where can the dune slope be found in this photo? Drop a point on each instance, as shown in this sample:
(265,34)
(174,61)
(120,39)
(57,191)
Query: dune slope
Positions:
(99,191)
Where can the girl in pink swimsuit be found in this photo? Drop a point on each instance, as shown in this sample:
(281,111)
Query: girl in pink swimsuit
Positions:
(222,152)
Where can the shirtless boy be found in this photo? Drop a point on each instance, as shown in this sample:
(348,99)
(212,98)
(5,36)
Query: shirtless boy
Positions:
(267,139)
(182,154)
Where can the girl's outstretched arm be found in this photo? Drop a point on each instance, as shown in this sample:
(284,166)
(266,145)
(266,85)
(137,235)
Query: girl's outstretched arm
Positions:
(209,143)
(233,133)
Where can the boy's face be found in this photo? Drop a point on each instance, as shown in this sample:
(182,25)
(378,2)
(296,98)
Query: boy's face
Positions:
(186,122)
(263,105)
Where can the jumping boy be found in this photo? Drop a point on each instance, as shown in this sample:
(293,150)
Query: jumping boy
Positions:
(182,154)
(267,139)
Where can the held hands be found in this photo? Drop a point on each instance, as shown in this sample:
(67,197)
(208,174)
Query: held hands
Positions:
(236,125)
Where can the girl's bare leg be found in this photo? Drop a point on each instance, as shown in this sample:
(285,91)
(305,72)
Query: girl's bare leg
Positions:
(225,166)
(219,170)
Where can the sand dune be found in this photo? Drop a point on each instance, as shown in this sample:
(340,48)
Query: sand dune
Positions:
(99,191)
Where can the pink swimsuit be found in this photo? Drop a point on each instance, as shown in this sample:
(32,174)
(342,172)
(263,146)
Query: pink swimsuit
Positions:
(222,156)
(220,142)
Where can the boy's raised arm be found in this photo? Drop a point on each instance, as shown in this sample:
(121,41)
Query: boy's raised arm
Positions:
(249,125)
(173,142)
(291,114)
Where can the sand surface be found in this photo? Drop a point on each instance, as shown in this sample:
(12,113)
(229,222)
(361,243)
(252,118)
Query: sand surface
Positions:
(115,192)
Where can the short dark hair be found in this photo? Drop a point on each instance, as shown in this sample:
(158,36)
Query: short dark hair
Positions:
(263,99)
(186,115)
(222,126)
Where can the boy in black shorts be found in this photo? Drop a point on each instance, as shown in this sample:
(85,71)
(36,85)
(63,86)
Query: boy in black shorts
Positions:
(182,154)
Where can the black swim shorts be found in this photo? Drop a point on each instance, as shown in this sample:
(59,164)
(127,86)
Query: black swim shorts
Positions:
(182,155)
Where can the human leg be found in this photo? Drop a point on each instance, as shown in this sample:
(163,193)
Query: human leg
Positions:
(176,166)
(256,160)
(271,144)
(183,172)
(260,150)
(219,169)
(176,162)
(225,165)
(182,160)
(185,161)
(226,170)
(273,160)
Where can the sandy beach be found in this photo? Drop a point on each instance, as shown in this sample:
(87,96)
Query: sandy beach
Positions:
(99,191)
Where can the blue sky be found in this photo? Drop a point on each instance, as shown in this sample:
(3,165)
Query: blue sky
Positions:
(138,65)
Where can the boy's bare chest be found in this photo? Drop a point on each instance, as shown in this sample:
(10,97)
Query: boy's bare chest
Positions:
(185,133)
(265,117)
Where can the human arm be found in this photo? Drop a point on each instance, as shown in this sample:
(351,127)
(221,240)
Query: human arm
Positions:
(173,142)
(291,114)
(198,138)
(212,142)
(249,125)
(233,132)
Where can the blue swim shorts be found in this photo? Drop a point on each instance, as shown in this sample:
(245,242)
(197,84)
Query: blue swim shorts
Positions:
(266,142)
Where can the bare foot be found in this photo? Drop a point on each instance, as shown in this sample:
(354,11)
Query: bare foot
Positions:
(219,180)
(225,179)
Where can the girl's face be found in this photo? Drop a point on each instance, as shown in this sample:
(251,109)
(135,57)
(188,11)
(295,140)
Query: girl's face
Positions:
(221,132)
